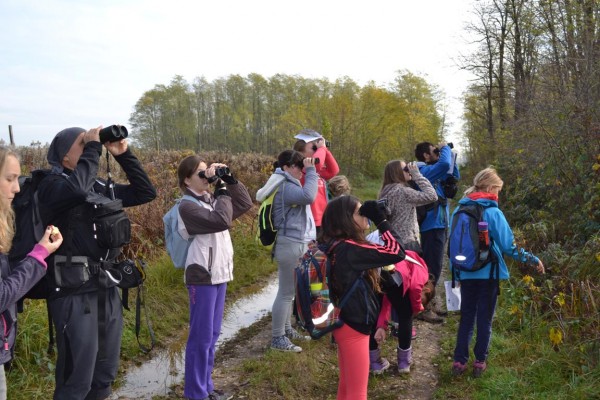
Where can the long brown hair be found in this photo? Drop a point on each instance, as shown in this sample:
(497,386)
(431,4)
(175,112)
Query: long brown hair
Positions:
(393,174)
(338,224)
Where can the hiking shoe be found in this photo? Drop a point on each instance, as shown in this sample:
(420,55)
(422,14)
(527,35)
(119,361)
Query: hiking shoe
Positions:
(458,368)
(438,308)
(478,368)
(413,334)
(282,343)
(219,395)
(430,316)
(293,334)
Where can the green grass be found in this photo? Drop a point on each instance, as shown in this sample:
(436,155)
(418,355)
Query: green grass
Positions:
(32,374)
(366,190)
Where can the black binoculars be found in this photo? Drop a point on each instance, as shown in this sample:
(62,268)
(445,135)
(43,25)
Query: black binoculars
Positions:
(113,133)
(219,172)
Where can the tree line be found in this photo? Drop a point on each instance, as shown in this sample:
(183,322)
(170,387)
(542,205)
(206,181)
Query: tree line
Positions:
(534,111)
(366,125)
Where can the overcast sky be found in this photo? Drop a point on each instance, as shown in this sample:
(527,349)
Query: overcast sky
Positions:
(86,63)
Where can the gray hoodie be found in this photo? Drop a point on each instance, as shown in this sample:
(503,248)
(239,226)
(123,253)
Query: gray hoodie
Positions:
(291,206)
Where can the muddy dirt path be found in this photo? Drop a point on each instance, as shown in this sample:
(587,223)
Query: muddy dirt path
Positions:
(418,385)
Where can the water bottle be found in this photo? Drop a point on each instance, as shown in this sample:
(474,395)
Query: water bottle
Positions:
(484,240)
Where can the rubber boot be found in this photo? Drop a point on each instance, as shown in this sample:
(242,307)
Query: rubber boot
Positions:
(378,364)
(404,360)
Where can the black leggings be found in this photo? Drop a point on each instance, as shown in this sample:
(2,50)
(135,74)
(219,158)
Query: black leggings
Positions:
(401,304)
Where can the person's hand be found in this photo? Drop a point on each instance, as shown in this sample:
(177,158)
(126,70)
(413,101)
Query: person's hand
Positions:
(372,211)
(320,143)
(413,169)
(540,267)
(380,335)
(308,162)
(52,239)
(221,189)
(93,135)
(116,148)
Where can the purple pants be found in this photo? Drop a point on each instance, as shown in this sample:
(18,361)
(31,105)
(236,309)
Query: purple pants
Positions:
(206,314)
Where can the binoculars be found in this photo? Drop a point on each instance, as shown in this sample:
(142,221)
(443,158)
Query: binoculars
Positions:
(219,172)
(113,133)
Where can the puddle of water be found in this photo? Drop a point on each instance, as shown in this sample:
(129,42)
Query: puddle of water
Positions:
(166,368)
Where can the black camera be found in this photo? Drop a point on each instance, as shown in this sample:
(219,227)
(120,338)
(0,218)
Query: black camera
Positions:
(219,172)
(113,133)
(382,204)
(450,144)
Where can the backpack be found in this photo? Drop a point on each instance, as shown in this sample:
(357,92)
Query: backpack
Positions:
(316,313)
(266,232)
(28,221)
(465,251)
(449,186)
(177,245)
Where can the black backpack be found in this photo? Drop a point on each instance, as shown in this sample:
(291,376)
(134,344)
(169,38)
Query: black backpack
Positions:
(30,227)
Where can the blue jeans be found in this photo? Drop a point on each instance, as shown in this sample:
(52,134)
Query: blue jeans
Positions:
(478,303)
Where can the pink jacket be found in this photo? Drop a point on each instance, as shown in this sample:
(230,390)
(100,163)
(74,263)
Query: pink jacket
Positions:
(414,277)
(327,168)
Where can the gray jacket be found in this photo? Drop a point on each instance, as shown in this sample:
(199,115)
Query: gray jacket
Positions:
(291,206)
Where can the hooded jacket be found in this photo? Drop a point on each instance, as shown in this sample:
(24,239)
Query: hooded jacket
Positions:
(414,277)
(502,238)
(292,216)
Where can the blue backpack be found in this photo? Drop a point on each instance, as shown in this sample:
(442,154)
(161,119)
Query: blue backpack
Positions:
(464,249)
(177,246)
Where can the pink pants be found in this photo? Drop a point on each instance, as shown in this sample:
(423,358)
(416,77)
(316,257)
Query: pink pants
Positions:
(353,359)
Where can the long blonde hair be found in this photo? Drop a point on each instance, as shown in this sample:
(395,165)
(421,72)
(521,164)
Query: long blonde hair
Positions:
(485,180)
(7,215)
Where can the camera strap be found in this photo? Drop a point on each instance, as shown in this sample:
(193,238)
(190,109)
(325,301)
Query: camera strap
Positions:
(110,185)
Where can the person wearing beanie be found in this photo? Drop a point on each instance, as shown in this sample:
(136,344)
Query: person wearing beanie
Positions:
(83,297)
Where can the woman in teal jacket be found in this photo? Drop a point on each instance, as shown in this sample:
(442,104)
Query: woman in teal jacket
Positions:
(478,291)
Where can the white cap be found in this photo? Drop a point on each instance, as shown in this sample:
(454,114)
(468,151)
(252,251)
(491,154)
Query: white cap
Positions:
(308,135)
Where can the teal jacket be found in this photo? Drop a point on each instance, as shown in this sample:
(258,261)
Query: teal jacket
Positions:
(503,241)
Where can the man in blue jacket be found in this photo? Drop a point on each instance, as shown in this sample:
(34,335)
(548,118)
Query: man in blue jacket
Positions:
(435,164)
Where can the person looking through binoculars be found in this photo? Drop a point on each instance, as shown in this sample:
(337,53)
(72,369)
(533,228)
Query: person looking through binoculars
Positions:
(83,296)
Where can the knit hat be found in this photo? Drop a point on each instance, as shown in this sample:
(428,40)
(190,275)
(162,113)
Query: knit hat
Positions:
(60,146)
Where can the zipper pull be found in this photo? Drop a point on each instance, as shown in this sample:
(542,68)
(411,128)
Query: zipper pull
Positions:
(5,345)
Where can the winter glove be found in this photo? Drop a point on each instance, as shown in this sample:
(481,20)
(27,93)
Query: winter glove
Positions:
(221,189)
(229,179)
(372,210)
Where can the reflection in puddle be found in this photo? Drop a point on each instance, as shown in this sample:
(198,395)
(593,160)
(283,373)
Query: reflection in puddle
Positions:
(167,366)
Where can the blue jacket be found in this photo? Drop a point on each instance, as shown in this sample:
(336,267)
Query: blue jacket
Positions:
(503,241)
(436,174)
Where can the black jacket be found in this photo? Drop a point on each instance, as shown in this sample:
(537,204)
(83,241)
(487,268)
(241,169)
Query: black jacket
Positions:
(349,262)
(59,194)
